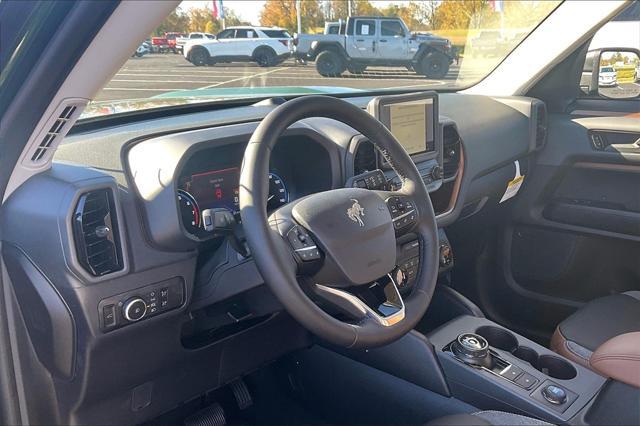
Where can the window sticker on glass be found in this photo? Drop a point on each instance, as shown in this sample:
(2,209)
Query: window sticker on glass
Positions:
(364,30)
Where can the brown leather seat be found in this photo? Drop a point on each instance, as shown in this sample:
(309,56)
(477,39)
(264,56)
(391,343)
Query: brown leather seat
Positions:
(578,336)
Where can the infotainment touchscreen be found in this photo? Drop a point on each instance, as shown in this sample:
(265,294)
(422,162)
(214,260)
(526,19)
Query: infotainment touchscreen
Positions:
(410,118)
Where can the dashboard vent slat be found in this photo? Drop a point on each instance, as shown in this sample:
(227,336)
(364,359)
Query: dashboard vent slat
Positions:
(53,136)
(451,151)
(96,234)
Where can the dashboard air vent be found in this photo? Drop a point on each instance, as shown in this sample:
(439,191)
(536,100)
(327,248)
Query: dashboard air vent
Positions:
(541,125)
(51,138)
(451,155)
(96,234)
(365,158)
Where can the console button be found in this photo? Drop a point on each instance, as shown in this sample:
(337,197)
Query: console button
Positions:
(511,373)
(109,315)
(527,381)
(554,394)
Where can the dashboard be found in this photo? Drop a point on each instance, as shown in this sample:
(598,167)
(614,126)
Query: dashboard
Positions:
(192,308)
(208,181)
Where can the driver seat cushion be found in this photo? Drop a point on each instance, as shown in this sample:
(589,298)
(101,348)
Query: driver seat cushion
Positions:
(487,418)
(578,336)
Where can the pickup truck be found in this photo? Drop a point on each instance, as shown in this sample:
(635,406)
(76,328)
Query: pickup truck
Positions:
(181,41)
(382,42)
(333,31)
(166,43)
(266,46)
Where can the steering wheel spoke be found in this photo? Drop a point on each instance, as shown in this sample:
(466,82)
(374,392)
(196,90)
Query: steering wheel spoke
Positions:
(380,302)
(403,210)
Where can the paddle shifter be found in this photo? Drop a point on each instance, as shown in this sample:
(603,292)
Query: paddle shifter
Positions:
(472,349)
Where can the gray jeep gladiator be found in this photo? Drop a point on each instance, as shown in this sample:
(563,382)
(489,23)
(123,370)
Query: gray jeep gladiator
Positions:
(381,41)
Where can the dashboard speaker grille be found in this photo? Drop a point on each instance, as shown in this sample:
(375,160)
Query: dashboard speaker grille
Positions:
(96,233)
(541,125)
(51,138)
(451,154)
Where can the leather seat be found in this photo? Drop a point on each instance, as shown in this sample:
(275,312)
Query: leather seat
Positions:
(578,336)
(487,418)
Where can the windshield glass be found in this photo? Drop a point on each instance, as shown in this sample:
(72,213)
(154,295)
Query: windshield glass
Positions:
(401,45)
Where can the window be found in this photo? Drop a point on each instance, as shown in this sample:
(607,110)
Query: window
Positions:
(365,27)
(246,33)
(196,36)
(226,34)
(612,54)
(277,33)
(391,28)
(333,29)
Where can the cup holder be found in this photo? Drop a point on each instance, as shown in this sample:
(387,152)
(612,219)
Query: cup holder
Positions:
(555,367)
(498,337)
(550,365)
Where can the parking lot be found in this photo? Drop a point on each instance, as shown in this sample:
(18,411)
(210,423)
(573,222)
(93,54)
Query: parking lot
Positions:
(621,90)
(156,74)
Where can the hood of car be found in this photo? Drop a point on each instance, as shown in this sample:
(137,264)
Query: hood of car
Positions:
(185,97)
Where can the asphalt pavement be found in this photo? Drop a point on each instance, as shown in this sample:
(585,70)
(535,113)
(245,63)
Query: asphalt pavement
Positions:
(155,74)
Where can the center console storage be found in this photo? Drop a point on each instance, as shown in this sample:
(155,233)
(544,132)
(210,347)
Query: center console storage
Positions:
(491,367)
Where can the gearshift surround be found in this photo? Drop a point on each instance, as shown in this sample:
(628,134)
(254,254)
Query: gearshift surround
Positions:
(472,349)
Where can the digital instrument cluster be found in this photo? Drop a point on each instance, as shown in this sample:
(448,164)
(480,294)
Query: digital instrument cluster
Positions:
(216,189)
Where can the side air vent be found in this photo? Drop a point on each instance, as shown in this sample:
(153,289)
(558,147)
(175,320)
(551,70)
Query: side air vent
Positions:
(96,234)
(51,136)
(541,125)
(451,151)
(365,158)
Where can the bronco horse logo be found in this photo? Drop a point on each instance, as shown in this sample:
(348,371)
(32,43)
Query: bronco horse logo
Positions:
(355,212)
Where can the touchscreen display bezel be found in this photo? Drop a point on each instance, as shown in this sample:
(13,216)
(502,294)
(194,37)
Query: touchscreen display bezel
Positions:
(380,108)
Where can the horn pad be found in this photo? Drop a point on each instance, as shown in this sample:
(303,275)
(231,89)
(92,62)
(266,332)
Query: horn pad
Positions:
(354,228)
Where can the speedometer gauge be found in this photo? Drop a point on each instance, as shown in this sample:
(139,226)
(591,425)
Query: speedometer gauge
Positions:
(189,211)
(278,194)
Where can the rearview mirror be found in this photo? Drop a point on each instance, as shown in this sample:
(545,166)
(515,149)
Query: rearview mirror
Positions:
(612,73)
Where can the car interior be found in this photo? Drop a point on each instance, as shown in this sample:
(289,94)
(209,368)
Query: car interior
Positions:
(309,259)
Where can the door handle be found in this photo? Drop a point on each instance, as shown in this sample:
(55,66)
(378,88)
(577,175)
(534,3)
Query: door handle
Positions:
(360,39)
(383,41)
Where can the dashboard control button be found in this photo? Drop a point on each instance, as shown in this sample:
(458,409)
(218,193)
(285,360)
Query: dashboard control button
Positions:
(109,316)
(554,394)
(527,381)
(134,309)
(436,173)
(512,372)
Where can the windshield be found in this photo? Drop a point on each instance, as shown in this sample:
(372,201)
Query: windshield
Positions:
(606,69)
(385,45)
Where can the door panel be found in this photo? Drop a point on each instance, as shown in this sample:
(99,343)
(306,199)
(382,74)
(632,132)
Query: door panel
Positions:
(363,42)
(574,233)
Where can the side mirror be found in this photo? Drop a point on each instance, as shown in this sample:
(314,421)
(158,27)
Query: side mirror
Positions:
(615,73)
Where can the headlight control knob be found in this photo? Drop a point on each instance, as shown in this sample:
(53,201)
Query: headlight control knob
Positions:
(437,173)
(134,309)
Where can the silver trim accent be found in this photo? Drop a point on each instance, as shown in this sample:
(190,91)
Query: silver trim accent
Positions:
(306,248)
(365,309)
(128,305)
(404,215)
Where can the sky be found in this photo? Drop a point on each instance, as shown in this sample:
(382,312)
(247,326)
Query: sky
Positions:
(249,10)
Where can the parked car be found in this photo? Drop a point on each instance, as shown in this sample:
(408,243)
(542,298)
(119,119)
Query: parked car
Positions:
(607,77)
(487,43)
(142,50)
(382,42)
(266,46)
(181,41)
(167,42)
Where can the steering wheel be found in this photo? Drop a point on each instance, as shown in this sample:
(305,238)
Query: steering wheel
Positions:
(337,249)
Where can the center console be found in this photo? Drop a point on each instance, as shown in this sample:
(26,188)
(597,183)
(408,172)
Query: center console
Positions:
(494,368)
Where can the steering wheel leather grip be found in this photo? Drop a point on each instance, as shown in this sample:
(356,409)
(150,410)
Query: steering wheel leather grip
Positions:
(333,220)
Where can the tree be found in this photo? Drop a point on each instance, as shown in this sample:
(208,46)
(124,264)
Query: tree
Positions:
(176,21)
(461,14)
(199,18)
(282,13)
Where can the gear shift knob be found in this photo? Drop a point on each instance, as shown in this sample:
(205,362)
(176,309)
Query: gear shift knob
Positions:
(472,349)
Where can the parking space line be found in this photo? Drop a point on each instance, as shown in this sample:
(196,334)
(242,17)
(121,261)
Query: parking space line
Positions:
(242,78)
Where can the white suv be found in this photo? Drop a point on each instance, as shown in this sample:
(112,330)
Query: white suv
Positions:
(267,46)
